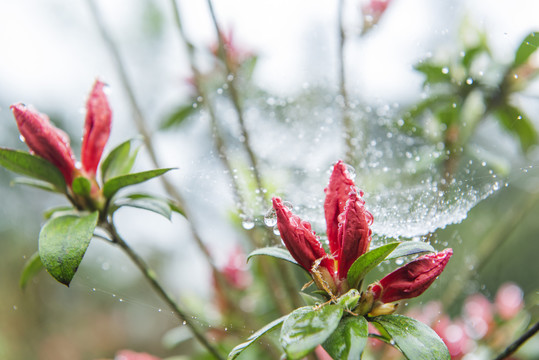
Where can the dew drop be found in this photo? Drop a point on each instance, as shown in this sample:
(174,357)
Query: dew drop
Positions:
(184,322)
(445,70)
(270,218)
(399,261)
(469,81)
(105,266)
(93,289)
(248,223)
(21,138)
(219,91)
(351,171)
(276,231)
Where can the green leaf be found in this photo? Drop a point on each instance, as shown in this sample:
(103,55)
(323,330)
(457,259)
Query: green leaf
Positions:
(251,339)
(406,248)
(120,160)
(367,262)
(414,339)
(349,339)
(31,268)
(526,49)
(179,115)
(274,251)
(146,202)
(434,73)
(349,300)
(64,210)
(63,242)
(516,122)
(81,186)
(42,185)
(23,163)
(307,327)
(113,185)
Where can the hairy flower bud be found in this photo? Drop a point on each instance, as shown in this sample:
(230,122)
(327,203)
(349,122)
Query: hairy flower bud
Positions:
(45,140)
(96,128)
(353,233)
(337,193)
(412,279)
(299,239)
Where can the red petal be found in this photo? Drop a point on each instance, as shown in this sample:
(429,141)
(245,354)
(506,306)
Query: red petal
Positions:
(45,140)
(299,239)
(96,128)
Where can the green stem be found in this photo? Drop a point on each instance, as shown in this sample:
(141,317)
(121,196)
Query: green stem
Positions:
(348,131)
(151,276)
(518,342)
(234,96)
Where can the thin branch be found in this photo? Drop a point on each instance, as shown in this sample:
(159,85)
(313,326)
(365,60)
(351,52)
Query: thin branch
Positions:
(234,95)
(518,342)
(348,131)
(151,276)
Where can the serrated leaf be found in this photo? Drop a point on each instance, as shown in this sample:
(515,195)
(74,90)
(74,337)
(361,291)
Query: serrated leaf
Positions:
(406,248)
(31,268)
(146,202)
(81,186)
(113,185)
(307,327)
(39,184)
(179,116)
(251,339)
(349,339)
(526,49)
(63,242)
(26,164)
(274,251)
(120,160)
(367,262)
(414,339)
(516,122)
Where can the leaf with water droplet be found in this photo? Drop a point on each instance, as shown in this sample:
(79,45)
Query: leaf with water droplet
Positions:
(527,47)
(367,262)
(414,339)
(63,242)
(251,339)
(274,251)
(406,248)
(349,339)
(307,327)
(516,122)
(31,268)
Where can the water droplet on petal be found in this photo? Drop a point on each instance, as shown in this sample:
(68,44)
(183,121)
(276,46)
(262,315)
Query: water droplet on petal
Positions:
(270,218)
(351,171)
(248,223)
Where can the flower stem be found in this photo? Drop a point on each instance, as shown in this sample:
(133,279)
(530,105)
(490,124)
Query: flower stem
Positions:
(518,342)
(348,132)
(151,276)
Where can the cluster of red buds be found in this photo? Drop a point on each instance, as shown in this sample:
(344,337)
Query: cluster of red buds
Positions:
(349,237)
(52,144)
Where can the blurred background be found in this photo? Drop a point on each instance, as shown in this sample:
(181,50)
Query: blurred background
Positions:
(442,138)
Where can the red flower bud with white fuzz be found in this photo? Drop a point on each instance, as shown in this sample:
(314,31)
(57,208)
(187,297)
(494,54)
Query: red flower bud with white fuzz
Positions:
(337,193)
(412,279)
(299,238)
(96,128)
(353,233)
(45,140)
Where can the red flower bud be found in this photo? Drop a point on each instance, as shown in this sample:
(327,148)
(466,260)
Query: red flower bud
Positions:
(299,239)
(45,140)
(337,193)
(96,128)
(354,233)
(412,279)
(131,355)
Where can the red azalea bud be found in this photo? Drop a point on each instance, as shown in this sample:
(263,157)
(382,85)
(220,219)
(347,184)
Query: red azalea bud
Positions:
(354,233)
(299,239)
(45,140)
(337,193)
(412,279)
(96,128)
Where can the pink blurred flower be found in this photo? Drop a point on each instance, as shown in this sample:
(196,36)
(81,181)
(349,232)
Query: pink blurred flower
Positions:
(509,300)
(235,270)
(454,336)
(372,12)
(322,354)
(131,355)
(478,316)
